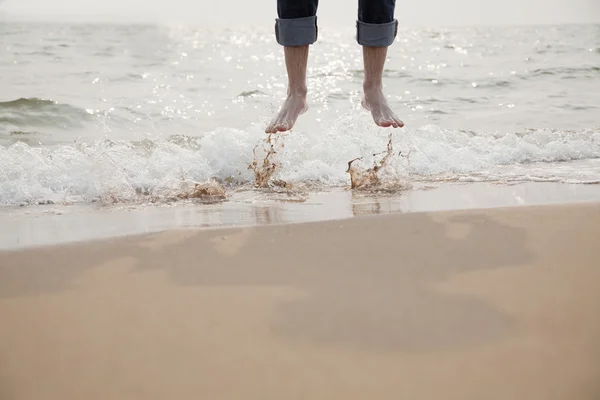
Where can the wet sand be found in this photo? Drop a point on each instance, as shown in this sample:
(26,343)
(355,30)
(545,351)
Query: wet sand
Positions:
(499,303)
(53,224)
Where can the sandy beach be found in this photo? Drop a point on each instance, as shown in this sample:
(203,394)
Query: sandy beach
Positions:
(500,303)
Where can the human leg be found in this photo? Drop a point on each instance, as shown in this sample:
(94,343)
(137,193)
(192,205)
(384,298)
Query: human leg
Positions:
(376,31)
(295,30)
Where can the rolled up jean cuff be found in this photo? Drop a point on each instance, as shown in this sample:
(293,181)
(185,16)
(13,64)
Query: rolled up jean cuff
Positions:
(376,35)
(296,31)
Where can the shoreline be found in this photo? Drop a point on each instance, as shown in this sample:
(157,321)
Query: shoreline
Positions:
(37,226)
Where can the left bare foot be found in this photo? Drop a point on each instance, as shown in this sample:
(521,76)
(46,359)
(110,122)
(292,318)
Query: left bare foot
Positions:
(375,101)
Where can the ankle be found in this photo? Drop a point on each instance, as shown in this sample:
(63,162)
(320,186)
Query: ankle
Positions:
(372,86)
(297,91)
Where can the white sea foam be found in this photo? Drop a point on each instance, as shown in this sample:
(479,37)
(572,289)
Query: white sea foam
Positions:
(121,170)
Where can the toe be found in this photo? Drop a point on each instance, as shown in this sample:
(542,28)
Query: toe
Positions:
(385,123)
(281,127)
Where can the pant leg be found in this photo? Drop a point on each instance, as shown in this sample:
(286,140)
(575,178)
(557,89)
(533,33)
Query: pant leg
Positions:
(376,25)
(297,22)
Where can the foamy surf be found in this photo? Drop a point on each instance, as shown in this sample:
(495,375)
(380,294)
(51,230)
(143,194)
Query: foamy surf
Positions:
(131,171)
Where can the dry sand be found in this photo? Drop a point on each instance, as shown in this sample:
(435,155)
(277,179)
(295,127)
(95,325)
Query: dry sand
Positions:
(479,304)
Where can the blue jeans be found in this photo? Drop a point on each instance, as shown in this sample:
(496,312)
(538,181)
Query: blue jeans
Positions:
(297,22)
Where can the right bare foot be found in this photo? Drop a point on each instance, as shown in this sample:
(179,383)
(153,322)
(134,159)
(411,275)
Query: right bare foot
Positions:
(294,105)
(375,102)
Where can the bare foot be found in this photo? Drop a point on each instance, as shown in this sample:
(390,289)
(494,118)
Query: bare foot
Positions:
(294,105)
(383,115)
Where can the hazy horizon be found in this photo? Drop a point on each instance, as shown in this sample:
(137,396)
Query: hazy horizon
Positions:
(331,12)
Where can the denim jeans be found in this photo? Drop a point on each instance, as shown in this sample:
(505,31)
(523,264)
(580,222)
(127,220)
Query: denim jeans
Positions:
(297,22)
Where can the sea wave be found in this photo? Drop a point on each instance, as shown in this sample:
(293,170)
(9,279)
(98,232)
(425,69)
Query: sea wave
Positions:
(85,172)
(579,72)
(25,113)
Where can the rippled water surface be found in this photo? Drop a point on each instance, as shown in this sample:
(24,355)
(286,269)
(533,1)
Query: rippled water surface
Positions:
(89,111)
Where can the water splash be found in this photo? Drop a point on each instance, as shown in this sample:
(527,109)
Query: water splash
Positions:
(203,192)
(374,179)
(263,171)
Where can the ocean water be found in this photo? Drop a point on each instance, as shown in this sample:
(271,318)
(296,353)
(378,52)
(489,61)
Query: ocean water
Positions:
(94,113)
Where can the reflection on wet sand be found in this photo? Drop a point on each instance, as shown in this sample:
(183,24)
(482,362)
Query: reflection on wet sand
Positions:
(54,224)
